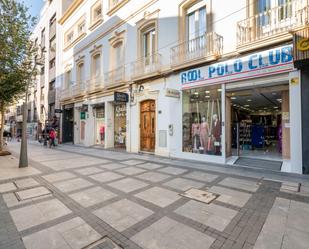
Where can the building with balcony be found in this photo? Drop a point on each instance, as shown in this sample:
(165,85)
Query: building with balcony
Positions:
(196,79)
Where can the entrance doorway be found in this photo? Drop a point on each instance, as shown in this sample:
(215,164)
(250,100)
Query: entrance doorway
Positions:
(148,125)
(258,121)
(68,125)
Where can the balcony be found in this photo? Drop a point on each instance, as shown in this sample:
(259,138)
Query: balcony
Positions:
(272,26)
(66,93)
(204,48)
(78,89)
(146,67)
(95,84)
(115,77)
(52,74)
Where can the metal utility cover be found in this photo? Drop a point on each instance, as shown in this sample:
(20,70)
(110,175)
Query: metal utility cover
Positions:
(200,195)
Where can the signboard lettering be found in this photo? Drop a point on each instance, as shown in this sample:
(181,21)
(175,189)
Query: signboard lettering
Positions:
(268,62)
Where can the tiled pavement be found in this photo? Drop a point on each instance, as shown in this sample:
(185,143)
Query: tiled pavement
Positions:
(117,200)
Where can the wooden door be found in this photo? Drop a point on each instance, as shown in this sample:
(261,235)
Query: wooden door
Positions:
(148,125)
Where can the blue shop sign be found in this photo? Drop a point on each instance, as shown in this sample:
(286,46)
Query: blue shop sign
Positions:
(273,61)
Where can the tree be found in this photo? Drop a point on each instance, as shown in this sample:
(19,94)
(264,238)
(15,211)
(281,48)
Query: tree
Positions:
(17,54)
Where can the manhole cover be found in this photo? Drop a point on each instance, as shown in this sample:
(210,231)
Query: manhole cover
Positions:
(104,243)
(200,195)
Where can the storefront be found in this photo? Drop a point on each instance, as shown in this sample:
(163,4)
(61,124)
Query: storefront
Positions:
(120,119)
(241,112)
(99,123)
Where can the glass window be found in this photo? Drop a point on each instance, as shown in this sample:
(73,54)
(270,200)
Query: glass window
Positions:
(80,73)
(68,78)
(120,126)
(263,11)
(196,22)
(149,45)
(285,9)
(96,65)
(118,55)
(81,27)
(202,120)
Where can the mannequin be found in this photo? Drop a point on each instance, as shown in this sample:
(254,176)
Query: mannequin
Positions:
(204,132)
(216,133)
(195,131)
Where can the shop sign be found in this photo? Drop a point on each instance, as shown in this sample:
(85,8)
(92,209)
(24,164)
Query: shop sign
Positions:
(121,97)
(82,115)
(301,47)
(269,62)
(169,92)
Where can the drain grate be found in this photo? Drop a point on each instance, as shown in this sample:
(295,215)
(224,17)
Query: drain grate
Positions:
(200,195)
(104,243)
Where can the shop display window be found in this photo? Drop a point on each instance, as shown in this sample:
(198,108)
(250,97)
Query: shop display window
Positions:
(120,126)
(100,125)
(202,120)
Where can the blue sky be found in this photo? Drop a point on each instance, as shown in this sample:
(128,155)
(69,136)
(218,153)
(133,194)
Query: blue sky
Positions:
(34,6)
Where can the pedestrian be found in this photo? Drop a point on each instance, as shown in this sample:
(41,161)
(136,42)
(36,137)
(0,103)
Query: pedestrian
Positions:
(52,136)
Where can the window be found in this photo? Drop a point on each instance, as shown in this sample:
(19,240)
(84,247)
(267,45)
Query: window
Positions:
(51,85)
(96,70)
(52,63)
(96,13)
(69,38)
(202,120)
(43,38)
(42,70)
(68,79)
(196,21)
(118,54)
(285,9)
(80,73)
(52,45)
(149,45)
(81,28)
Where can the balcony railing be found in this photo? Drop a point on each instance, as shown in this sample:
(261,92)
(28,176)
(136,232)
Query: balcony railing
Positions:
(78,89)
(206,47)
(66,93)
(115,77)
(95,84)
(275,21)
(146,66)
(51,96)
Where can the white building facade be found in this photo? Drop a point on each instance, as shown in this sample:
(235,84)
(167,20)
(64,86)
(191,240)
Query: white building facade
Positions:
(186,79)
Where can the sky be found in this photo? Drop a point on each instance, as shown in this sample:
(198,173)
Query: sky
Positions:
(34,6)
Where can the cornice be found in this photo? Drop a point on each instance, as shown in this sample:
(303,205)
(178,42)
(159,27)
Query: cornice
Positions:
(70,10)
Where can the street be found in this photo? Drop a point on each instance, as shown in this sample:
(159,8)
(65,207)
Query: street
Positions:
(76,197)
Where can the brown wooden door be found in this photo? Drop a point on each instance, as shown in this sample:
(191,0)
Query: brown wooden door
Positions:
(148,125)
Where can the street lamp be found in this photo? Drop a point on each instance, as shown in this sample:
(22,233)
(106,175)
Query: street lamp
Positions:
(23,157)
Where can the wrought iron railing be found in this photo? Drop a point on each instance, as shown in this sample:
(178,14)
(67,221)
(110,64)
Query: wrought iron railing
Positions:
(207,45)
(116,76)
(274,21)
(146,65)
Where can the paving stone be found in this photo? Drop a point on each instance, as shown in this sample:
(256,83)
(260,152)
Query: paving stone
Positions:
(74,233)
(89,170)
(153,176)
(11,200)
(240,184)
(183,184)
(133,162)
(106,177)
(6,187)
(294,238)
(169,234)
(173,170)
(201,176)
(32,215)
(92,196)
(229,196)
(159,196)
(26,183)
(130,171)
(32,193)
(60,176)
(128,185)
(273,230)
(73,184)
(210,215)
(113,166)
(123,214)
(150,166)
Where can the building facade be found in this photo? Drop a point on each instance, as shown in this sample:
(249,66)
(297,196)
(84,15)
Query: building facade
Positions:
(186,79)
